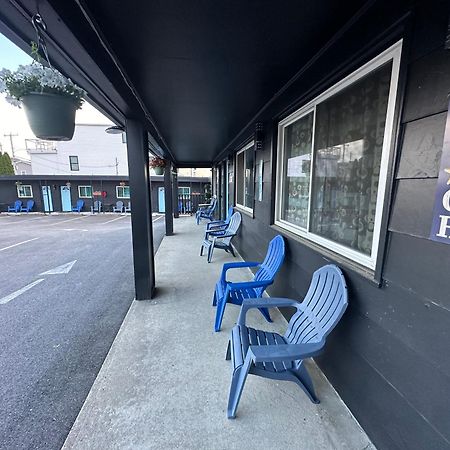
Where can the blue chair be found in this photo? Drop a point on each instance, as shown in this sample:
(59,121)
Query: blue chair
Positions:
(16,207)
(79,206)
(271,355)
(228,292)
(217,224)
(128,208)
(221,238)
(28,207)
(206,212)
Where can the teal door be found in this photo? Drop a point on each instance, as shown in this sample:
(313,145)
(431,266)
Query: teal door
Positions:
(66,201)
(161,200)
(47,197)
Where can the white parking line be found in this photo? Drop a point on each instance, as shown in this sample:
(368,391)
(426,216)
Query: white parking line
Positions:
(160,217)
(117,218)
(19,243)
(64,221)
(12,296)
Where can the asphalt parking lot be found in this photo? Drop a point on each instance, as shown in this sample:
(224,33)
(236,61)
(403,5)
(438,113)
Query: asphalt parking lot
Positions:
(67,283)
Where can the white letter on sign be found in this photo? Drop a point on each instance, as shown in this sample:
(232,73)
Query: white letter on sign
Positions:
(444,226)
(446,200)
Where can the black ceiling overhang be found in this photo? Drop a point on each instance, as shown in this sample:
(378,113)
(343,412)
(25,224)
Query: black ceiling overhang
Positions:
(196,73)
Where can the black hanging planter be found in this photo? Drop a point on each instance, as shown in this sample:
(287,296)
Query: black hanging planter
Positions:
(51,116)
(159,170)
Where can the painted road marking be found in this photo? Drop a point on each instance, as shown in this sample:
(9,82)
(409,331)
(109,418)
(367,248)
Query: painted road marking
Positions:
(19,243)
(160,217)
(64,221)
(74,229)
(65,268)
(117,218)
(12,296)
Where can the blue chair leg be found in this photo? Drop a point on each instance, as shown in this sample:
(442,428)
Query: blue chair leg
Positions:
(214,302)
(219,313)
(210,252)
(303,379)
(201,250)
(265,313)
(237,384)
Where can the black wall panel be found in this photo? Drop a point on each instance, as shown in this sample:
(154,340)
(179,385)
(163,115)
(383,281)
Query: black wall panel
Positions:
(389,357)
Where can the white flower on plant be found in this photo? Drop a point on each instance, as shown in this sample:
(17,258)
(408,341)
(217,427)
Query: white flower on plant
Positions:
(36,77)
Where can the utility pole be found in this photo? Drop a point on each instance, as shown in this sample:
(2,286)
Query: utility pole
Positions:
(10,135)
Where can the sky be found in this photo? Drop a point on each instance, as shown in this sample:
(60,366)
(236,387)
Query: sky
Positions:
(13,120)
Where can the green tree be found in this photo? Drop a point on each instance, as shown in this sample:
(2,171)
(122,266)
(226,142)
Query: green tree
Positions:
(6,167)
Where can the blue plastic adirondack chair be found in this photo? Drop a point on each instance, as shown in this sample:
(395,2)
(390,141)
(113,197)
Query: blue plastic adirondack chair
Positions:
(96,207)
(79,206)
(206,213)
(221,238)
(128,208)
(28,207)
(271,355)
(118,207)
(228,292)
(220,224)
(16,207)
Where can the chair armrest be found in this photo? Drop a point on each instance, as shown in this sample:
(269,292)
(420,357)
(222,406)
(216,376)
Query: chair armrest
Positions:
(285,352)
(236,265)
(249,284)
(207,232)
(265,303)
(216,224)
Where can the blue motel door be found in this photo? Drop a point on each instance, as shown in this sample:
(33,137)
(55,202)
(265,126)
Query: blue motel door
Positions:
(161,200)
(47,197)
(66,201)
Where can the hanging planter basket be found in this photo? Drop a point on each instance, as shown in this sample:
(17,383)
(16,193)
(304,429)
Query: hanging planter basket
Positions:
(159,170)
(51,116)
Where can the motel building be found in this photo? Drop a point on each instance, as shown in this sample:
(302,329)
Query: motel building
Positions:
(324,122)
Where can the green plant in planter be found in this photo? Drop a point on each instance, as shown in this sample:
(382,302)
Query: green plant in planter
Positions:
(158,165)
(49,98)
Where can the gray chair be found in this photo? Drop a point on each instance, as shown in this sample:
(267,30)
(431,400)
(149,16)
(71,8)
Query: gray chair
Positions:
(118,207)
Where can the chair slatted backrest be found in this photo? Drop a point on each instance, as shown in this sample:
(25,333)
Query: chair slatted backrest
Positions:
(30,204)
(229,214)
(211,209)
(119,204)
(232,228)
(323,306)
(80,204)
(18,205)
(272,262)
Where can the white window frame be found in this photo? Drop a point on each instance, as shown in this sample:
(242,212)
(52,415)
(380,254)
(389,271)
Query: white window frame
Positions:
(184,187)
(20,195)
(121,187)
(392,54)
(84,196)
(242,150)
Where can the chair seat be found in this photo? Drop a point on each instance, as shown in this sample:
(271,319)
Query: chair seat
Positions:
(237,296)
(242,337)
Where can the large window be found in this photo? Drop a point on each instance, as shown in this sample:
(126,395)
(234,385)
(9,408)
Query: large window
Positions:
(123,191)
(74,166)
(245,182)
(24,191)
(332,163)
(85,191)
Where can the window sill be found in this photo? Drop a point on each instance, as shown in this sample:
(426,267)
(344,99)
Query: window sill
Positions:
(330,256)
(247,211)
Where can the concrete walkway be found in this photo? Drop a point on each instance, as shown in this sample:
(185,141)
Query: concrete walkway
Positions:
(165,381)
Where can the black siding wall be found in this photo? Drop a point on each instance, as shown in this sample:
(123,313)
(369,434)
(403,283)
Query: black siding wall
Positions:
(389,357)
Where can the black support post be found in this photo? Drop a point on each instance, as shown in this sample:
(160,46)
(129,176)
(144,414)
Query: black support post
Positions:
(168,198)
(176,213)
(141,212)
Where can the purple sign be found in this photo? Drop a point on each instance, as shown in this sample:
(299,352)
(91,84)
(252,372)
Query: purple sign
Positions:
(440,228)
